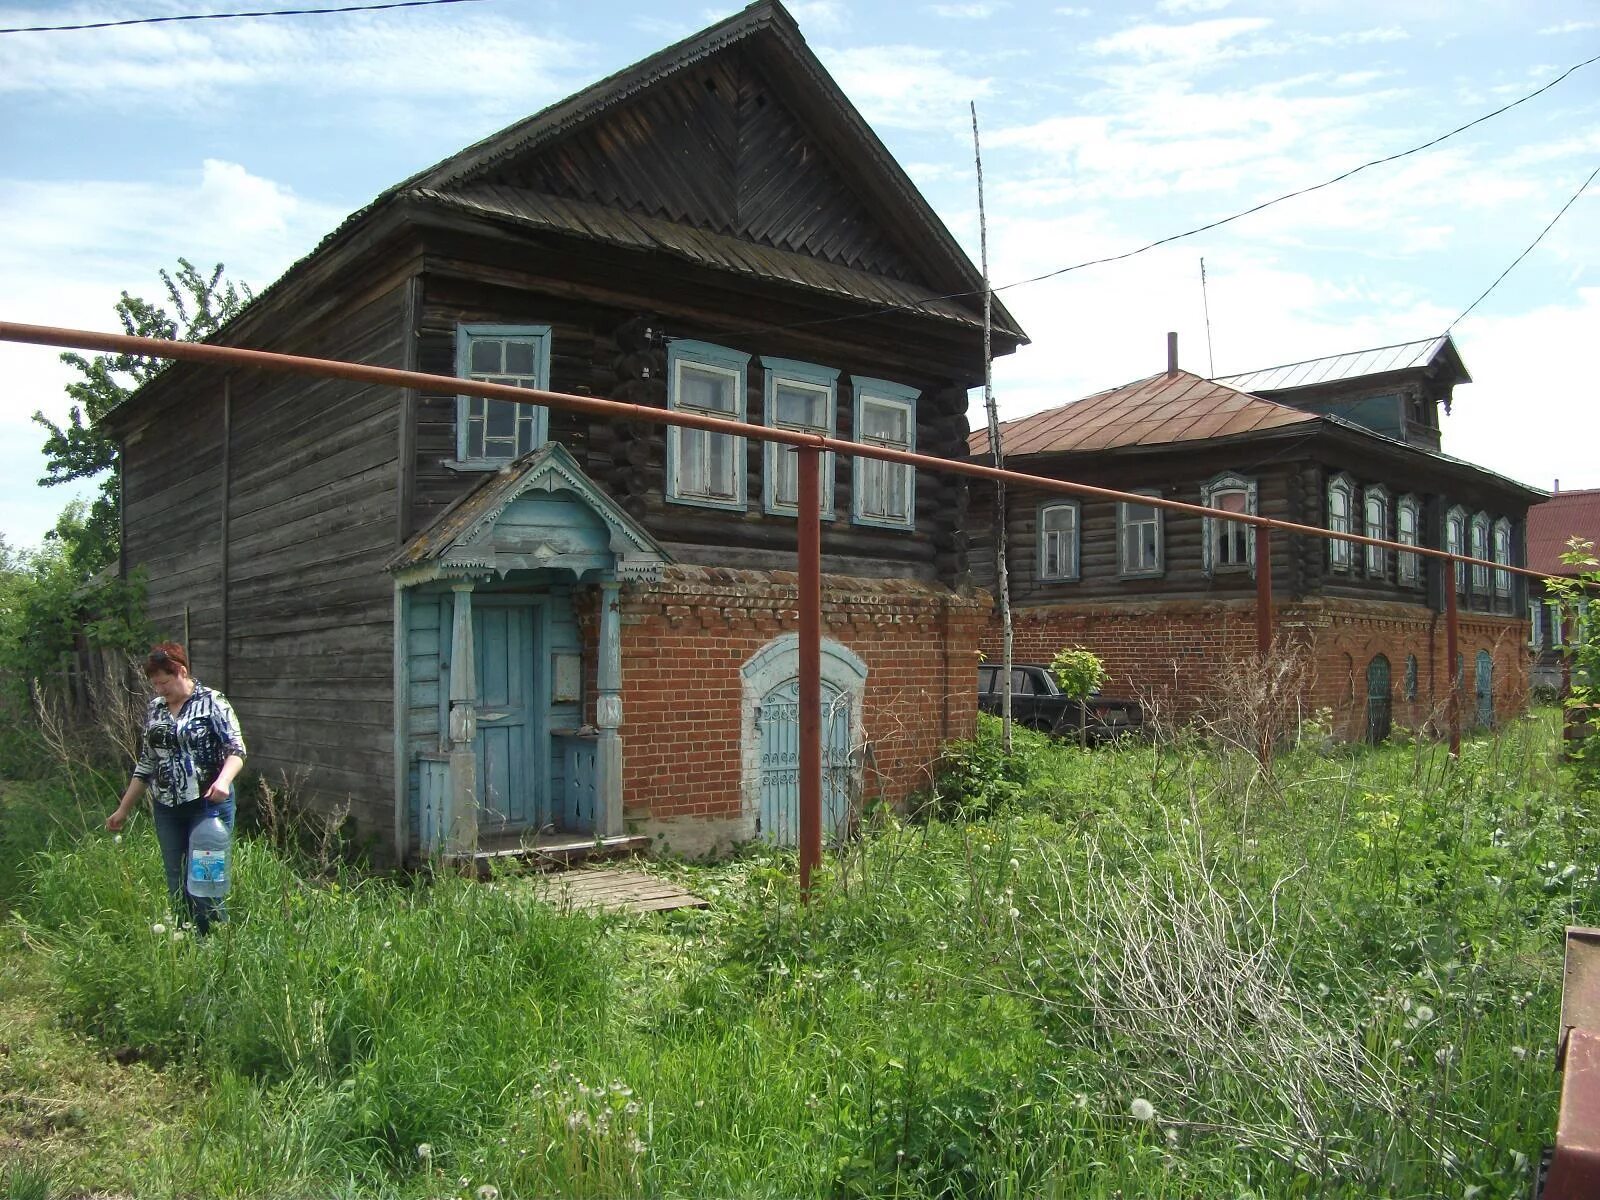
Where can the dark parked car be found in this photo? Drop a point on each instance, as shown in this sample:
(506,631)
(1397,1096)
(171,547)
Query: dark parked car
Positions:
(1037,702)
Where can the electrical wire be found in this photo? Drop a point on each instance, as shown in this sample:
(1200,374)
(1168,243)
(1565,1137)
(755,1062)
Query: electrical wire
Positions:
(230,16)
(1574,199)
(1187,233)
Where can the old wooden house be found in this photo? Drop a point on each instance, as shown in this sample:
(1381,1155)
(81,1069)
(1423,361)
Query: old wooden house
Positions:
(1574,513)
(1350,443)
(592,620)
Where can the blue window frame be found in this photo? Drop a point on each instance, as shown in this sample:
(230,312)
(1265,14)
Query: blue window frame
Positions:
(1058,541)
(1455,541)
(1228,545)
(804,397)
(1480,549)
(1408,524)
(884,493)
(1502,554)
(1341,518)
(1375,510)
(490,432)
(706,469)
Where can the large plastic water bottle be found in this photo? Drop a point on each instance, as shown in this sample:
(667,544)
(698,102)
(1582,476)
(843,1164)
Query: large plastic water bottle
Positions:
(210,858)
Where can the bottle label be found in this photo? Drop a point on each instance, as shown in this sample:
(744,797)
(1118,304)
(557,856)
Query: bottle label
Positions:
(207,866)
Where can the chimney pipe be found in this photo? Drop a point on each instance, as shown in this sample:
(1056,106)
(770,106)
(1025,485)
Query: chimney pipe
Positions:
(1172,353)
(1557,490)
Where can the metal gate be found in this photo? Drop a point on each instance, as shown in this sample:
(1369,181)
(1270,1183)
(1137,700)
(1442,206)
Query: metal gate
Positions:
(777,724)
(1483,690)
(1379,703)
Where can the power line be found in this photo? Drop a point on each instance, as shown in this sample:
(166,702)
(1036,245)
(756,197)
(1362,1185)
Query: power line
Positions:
(1187,233)
(1573,200)
(230,16)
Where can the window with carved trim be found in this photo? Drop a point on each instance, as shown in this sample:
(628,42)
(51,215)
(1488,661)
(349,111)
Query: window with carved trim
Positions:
(1408,527)
(1341,502)
(1375,502)
(1228,545)
(1058,541)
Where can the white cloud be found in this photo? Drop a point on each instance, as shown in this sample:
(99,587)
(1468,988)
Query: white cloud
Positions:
(1195,41)
(907,87)
(821,16)
(967,12)
(480,58)
(1178,7)
(1570,27)
(1074,12)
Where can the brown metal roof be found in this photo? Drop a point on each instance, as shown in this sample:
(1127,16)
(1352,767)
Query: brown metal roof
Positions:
(603,223)
(1406,356)
(1162,409)
(1564,515)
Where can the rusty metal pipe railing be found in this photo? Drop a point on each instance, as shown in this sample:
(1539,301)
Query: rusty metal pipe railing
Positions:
(82,339)
(809,537)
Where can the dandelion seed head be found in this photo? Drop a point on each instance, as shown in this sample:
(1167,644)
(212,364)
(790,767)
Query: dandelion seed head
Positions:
(1171,1135)
(1013,913)
(1519,1052)
(1015,865)
(487,1192)
(158,929)
(117,841)
(1142,1109)
(424,1151)
(464,1181)
(1424,1014)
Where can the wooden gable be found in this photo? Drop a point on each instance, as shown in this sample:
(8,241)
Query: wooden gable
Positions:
(715,147)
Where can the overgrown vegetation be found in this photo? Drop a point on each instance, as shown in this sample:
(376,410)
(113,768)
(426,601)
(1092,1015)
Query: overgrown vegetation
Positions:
(1143,971)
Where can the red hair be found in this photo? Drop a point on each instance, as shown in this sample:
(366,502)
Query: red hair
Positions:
(164,657)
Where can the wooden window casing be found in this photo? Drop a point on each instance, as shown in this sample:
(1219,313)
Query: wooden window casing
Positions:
(1480,549)
(1059,551)
(803,397)
(1341,503)
(1502,554)
(1375,524)
(1140,540)
(1455,541)
(884,494)
(1408,526)
(1228,545)
(703,468)
(492,432)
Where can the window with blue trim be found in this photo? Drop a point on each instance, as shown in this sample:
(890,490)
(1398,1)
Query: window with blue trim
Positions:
(1376,510)
(884,493)
(494,431)
(1408,523)
(1502,554)
(1228,545)
(803,397)
(1341,502)
(706,468)
(1455,541)
(1058,541)
(1480,549)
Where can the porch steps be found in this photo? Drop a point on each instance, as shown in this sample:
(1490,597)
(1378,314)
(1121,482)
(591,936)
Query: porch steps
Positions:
(611,889)
(554,855)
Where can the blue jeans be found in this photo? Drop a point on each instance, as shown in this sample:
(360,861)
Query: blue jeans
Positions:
(173,823)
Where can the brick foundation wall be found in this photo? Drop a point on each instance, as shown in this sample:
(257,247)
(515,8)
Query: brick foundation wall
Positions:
(685,641)
(1169,652)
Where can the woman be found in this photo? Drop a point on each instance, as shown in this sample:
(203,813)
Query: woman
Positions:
(189,755)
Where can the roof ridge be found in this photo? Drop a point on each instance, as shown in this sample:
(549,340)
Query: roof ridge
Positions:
(1434,340)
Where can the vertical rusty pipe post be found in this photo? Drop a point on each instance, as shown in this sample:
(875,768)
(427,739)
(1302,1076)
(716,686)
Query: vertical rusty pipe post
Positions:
(809,548)
(1263,590)
(1451,631)
(1263,537)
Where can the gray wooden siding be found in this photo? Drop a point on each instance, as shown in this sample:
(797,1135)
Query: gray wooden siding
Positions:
(602,351)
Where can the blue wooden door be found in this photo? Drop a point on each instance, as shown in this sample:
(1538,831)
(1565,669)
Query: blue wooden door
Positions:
(1483,690)
(510,771)
(777,723)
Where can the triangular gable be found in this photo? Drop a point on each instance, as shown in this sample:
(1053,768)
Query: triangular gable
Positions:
(738,129)
(540,512)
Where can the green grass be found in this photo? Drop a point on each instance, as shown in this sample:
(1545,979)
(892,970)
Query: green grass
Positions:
(1341,982)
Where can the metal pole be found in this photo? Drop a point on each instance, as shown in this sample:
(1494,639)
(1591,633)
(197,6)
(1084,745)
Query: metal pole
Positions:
(1263,590)
(809,549)
(1450,632)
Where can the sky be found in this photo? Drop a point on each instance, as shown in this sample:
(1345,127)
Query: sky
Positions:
(1104,126)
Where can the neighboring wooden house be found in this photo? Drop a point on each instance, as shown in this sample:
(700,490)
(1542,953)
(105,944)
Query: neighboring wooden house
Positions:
(1350,443)
(1565,515)
(592,620)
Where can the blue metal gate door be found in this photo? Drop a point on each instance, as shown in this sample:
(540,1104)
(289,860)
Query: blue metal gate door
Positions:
(777,724)
(508,776)
(1483,688)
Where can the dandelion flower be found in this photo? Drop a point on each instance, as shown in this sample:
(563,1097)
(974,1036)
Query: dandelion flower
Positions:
(1519,1052)
(1142,1109)
(1015,865)
(158,929)
(487,1192)
(117,841)
(425,1152)
(1424,1014)
(1014,913)
(1172,1137)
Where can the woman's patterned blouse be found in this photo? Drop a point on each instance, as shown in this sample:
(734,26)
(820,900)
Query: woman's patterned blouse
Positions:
(180,757)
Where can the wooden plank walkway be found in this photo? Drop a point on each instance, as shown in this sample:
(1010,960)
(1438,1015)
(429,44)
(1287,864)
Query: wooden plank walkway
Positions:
(611,889)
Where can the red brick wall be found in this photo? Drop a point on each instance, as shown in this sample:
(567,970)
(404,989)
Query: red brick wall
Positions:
(686,639)
(1170,650)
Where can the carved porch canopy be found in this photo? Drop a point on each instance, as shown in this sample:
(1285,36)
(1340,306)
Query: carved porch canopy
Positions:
(538,512)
